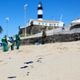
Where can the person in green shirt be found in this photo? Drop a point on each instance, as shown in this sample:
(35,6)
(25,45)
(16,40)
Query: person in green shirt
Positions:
(17,41)
(5,45)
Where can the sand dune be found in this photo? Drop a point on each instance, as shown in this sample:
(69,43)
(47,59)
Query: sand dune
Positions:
(54,61)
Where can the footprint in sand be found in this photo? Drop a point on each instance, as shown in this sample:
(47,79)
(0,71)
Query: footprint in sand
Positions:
(11,77)
(39,60)
(23,67)
(29,62)
(28,73)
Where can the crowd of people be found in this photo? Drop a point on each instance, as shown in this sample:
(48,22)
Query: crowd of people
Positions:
(10,42)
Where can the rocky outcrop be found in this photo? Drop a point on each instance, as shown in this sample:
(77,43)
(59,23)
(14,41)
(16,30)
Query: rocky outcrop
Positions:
(52,38)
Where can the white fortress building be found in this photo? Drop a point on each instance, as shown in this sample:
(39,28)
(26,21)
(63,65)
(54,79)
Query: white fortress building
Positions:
(35,26)
(48,23)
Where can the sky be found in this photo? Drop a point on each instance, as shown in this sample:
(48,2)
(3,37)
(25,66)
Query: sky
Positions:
(12,13)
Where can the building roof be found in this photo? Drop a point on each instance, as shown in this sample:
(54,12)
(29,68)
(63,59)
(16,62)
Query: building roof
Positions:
(47,21)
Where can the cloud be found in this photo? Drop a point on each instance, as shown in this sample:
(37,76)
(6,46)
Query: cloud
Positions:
(7,18)
(25,5)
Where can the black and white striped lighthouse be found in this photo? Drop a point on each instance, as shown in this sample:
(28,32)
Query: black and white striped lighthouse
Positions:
(40,11)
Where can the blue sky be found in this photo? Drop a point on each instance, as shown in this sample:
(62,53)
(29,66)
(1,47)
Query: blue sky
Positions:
(53,9)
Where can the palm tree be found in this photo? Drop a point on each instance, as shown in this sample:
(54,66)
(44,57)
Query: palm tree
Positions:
(1,29)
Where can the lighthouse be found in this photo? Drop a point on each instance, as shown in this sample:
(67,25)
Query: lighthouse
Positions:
(40,11)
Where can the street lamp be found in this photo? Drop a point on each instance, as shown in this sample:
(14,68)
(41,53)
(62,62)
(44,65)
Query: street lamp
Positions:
(25,7)
(7,20)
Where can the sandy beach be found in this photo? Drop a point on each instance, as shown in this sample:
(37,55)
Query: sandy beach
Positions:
(54,61)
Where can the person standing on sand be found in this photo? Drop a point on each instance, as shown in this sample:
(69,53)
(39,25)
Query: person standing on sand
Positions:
(5,45)
(12,43)
(17,41)
(44,36)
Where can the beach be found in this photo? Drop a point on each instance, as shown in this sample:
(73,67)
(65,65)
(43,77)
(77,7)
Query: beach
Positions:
(53,61)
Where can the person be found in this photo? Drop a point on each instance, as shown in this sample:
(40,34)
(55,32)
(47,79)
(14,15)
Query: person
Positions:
(0,44)
(12,43)
(44,36)
(63,28)
(17,41)
(5,45)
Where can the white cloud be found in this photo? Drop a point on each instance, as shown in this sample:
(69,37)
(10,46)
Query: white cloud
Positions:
(25,5)
(7,18)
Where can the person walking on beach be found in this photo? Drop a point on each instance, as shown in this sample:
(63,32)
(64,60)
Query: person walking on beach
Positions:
(12,43)
(17,41)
